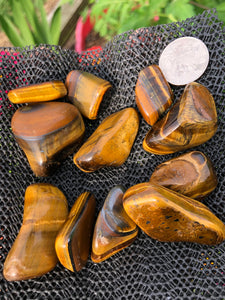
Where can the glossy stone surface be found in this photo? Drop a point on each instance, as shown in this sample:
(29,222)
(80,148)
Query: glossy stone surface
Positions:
(111,142)
(190,122)
(47,133)
(41,92)
(153,94)
(171,217)
(191,174)
(74,239)
(86,92)
(33,252)
(114,230)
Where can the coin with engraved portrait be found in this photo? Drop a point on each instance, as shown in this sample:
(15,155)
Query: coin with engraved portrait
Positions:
(184,60)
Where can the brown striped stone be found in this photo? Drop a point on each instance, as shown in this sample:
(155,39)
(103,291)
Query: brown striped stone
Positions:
(191,174)
(33,252)
(114,230)
(47,132)
(153,94)
(41,92)
(191,122)
(86,92)
(74,239)
(171,217)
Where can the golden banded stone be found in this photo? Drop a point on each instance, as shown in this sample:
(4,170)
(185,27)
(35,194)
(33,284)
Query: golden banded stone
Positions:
(33,252)
(114,230)
(167,216)
(153,94)
(47,132)
(190,122)
(111,142)
(40,92)
(74,239)
(86,92)
(191,174)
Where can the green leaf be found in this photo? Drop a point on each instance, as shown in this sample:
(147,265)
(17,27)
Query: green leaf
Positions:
(112,21)
(103,31)
(99,25)
(124,12)
(221,7)
(99,7)
(29,11)
(62,2)
(55,28)
(84,13)
(32,18)
(180,9)
(134,23)
(21,23)
(44,23)
(33,12)
(11,31)
(112,11)
(221,16)
(155,6)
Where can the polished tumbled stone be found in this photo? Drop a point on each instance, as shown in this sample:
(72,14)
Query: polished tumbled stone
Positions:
(74,239)
(191,174)
(111,142)
(168,216)
(190,122)
(47,132)
(86,91)
(114,230)
(41,92)
(153,94)
(33,252)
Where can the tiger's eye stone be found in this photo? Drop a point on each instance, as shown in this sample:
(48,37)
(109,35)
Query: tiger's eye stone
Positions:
(41,92)
(33,252)
(171,217)
(191,174)
(190,122)
(114,230)
(74,239)
(153,94)
(111,142)
(47,133)
(86,92)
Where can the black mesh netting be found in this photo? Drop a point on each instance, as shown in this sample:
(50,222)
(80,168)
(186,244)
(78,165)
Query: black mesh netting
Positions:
(147,269)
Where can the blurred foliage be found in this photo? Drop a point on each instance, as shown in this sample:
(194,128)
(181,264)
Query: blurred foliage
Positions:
(115,17)
(25,22)
(4,7)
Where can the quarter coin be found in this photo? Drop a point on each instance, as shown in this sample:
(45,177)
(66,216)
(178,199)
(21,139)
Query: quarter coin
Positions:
(184,60)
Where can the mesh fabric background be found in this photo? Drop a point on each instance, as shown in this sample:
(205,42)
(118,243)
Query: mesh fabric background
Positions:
(147,269)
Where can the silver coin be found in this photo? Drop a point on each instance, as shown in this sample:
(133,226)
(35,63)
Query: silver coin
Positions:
(184,60)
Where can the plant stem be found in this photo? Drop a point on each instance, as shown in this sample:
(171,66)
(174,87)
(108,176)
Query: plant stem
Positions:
(114,2)
(198,5)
